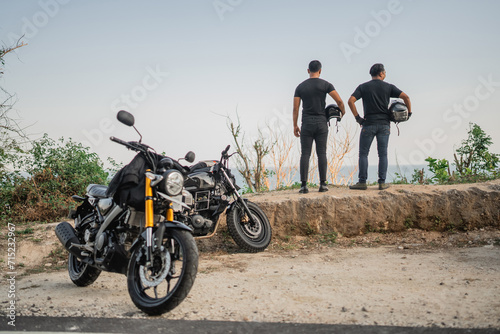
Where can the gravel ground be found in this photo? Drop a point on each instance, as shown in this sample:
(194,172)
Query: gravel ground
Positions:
(367,280)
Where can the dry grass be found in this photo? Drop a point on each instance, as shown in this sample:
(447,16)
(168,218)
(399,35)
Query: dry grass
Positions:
(284,156)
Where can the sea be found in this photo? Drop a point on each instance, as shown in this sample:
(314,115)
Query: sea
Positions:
(394,174)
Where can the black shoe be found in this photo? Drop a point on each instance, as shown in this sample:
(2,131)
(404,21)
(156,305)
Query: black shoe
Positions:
(303,190)
(323,188)
(359,186)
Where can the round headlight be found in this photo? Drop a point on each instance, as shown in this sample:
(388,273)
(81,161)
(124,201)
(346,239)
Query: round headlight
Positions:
(173,182)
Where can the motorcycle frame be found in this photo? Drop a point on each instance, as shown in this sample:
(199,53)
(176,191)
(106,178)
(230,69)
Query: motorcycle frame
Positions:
(224,164)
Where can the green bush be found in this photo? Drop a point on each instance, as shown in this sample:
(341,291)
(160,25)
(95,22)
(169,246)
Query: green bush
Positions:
(472,160)
(440,169)
(45,177)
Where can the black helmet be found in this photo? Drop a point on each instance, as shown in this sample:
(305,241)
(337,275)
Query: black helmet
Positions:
(333,111)
(398,111)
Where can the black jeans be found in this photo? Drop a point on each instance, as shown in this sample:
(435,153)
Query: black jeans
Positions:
(314,129)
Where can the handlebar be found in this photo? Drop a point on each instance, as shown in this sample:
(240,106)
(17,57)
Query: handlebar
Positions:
(180,168)
(130,145)
(143,148)
(119,141)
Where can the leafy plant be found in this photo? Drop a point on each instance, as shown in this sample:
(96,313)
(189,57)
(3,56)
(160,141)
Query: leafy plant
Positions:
(473,161)
(409,222)
(400,179)
(297,185)
(440,169)
(45,177)
(473,156)
(329,238)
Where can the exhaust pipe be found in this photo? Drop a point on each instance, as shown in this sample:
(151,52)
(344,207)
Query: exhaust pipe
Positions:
(67,236)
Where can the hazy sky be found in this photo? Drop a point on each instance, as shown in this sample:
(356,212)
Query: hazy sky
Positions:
(178,65)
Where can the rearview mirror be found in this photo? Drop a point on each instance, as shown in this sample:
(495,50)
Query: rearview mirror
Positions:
(125,117)
(190,156)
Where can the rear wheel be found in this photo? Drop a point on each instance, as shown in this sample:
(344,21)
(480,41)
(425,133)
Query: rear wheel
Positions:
(81,273)
(251,236)
(163,284)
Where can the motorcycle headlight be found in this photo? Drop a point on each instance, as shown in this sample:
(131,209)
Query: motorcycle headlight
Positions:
(172,183)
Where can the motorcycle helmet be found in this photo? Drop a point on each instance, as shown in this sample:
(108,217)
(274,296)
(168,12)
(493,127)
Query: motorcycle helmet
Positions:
(333,111)
(398,111)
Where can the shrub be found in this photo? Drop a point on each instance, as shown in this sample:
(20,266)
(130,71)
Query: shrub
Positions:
(473,160)
(45,177)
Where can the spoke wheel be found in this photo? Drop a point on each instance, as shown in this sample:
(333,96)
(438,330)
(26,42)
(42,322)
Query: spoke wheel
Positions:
(253,236)
(161,285)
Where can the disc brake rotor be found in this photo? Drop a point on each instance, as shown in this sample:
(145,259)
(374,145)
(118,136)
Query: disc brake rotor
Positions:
(155,274)
(253,230)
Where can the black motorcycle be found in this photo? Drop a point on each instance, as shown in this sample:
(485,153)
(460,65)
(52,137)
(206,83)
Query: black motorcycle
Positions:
(210,189)
(129,228)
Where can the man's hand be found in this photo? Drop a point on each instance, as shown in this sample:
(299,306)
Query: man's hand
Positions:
(296,131)
(360,120)
(296,105)
(406,100)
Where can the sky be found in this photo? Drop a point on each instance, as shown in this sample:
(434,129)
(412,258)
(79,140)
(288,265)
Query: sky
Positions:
(181,67)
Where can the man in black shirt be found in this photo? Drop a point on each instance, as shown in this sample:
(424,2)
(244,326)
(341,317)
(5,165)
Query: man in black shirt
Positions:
(313,92)
(376,96)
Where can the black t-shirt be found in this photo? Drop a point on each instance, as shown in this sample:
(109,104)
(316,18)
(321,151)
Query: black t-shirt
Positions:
(376,95)
(313,93)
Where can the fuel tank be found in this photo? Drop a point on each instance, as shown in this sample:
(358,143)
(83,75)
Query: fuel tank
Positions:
(200,181)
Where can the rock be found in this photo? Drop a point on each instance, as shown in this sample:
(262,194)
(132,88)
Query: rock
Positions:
(436,208)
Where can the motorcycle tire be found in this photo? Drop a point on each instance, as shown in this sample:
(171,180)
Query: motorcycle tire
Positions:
(163,286)
(81,273)
(252,237)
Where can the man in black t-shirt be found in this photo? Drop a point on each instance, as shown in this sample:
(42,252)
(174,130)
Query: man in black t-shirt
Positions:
(376,95)
(312,92)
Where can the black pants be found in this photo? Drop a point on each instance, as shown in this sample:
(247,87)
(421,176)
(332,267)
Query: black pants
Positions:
(313,130)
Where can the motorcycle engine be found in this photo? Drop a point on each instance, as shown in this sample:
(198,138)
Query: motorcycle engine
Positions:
(198,222)
(102,240)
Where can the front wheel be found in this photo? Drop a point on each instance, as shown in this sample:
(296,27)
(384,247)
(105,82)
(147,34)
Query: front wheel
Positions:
(163,284)
(251,236)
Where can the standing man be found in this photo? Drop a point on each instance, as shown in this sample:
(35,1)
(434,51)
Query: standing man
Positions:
(376,96)
(313,92)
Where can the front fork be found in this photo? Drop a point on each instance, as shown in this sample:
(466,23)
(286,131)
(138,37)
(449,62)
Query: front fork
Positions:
(149,223)
(240,199)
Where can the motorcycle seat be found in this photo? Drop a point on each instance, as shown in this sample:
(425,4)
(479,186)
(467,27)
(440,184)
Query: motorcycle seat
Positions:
(97,190)
(202,166)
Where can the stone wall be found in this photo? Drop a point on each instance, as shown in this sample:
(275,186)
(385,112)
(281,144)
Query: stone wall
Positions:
(353,212)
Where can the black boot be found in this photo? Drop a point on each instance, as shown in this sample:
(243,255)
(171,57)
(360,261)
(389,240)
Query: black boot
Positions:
(323,187)
(303,188)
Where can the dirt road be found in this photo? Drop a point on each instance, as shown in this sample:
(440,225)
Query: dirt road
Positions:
(385,285)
